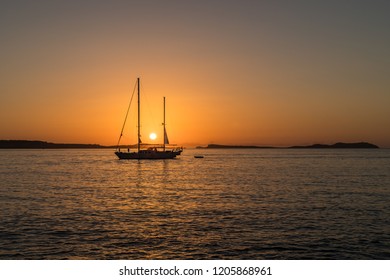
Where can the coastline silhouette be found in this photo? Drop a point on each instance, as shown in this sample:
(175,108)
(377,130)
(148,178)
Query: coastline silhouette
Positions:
(28,144)
(338,145)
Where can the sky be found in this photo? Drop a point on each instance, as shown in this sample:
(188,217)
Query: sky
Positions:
(233,72)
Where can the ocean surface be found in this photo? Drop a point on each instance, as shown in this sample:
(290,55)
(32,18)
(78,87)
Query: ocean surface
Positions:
(232,204)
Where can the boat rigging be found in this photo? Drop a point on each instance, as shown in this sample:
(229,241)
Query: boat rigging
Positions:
(151,152)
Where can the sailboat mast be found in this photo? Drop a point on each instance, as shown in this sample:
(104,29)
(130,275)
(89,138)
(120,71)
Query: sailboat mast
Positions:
(164,127)
(139,118)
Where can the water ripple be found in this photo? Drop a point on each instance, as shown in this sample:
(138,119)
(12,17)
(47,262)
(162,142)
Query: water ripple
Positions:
(235,204)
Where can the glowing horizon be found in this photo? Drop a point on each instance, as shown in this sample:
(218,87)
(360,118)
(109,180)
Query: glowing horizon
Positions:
(244,73)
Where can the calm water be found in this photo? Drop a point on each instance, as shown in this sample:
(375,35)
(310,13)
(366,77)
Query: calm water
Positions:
(232,204)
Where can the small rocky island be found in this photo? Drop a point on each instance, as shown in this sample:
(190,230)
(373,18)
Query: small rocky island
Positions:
(339,145)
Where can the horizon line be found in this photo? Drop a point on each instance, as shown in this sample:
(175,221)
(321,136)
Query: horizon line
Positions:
(194,145)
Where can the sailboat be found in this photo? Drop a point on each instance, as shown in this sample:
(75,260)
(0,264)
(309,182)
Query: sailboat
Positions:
(161,152)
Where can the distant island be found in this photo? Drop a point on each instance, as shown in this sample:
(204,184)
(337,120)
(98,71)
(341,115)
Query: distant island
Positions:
(339,145)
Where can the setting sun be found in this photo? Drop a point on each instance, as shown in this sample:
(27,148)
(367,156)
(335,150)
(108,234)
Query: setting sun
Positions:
(249,83)
(152,136)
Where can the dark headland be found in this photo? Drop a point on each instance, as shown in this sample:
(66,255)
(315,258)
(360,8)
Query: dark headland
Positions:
(27,144)
(339,145)
(36,144)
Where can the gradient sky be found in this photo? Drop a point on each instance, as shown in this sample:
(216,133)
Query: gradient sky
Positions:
(233,72)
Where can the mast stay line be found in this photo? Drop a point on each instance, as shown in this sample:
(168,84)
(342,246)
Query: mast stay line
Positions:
(127,113)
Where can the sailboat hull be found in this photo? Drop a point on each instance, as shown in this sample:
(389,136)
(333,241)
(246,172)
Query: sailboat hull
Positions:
(146,154)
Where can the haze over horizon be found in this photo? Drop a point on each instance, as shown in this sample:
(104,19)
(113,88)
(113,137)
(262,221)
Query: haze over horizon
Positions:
(277,73)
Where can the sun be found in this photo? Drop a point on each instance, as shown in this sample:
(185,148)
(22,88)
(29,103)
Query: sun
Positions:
(152,136)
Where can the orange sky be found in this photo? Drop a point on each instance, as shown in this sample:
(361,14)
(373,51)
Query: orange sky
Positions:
(233,72)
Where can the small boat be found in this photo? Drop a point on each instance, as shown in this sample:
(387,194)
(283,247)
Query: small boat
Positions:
(198,156)
(160,152)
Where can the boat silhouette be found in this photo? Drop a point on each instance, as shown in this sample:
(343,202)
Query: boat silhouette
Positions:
(154,152)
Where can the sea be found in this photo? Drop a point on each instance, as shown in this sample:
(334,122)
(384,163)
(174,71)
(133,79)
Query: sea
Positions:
(246,204)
